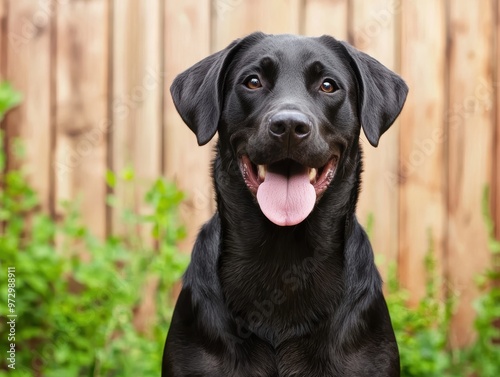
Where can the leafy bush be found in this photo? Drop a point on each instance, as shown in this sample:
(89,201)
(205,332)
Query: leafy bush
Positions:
(422,331)
(482,359)
(78,296)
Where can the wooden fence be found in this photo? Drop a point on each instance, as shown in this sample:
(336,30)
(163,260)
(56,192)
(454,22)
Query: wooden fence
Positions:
(95,77)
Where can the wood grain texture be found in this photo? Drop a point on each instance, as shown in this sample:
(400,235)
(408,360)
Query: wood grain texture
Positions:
(137,98)
(3,38)
(496,152)
(326,17)
(187,40)
(82,121)
(422,140)
(470,129)
(28,41)
(235,19)
(373,31)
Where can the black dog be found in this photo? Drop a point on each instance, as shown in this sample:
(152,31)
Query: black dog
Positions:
(282,280)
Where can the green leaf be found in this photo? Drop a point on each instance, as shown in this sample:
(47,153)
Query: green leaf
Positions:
(127,174)
(111,179)
(9,98)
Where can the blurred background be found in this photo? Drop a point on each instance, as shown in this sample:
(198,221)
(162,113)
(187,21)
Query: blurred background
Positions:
(99,239)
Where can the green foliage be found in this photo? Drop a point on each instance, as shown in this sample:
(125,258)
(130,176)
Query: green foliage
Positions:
(77,296)
(484,355)
(422,330)
(9,98)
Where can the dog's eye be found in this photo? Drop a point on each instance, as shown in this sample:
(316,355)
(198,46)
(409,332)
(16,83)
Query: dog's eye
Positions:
(328,86)
(253,82)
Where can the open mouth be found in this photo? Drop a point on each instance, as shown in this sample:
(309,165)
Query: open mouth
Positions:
(320,178)
(287,190)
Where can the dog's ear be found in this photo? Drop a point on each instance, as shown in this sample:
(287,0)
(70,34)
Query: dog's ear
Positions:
(383,94)
(198,91)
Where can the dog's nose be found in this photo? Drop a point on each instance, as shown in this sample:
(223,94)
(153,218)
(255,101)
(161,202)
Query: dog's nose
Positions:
(289,126)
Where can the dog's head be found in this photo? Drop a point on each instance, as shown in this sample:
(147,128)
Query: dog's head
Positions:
(289,108)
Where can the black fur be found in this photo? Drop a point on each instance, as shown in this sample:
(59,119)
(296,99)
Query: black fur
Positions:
(265,300)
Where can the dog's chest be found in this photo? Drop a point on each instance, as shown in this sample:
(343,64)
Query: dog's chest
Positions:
(302,356)
(280,297)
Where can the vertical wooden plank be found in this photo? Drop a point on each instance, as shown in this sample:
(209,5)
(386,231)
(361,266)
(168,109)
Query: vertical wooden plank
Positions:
(373,31)
(235,19)
(470,132)
(136,108)
(3,57)
(3,37)
(422,139)
(137,93)
(28,41)
(82,121)
(187,40)
(326,17)
(120,142)
(496,153)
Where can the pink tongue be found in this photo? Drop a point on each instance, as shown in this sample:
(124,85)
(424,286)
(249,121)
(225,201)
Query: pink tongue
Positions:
(286,200)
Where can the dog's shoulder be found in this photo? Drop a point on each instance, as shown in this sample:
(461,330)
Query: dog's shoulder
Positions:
(201,281)
(205,251)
